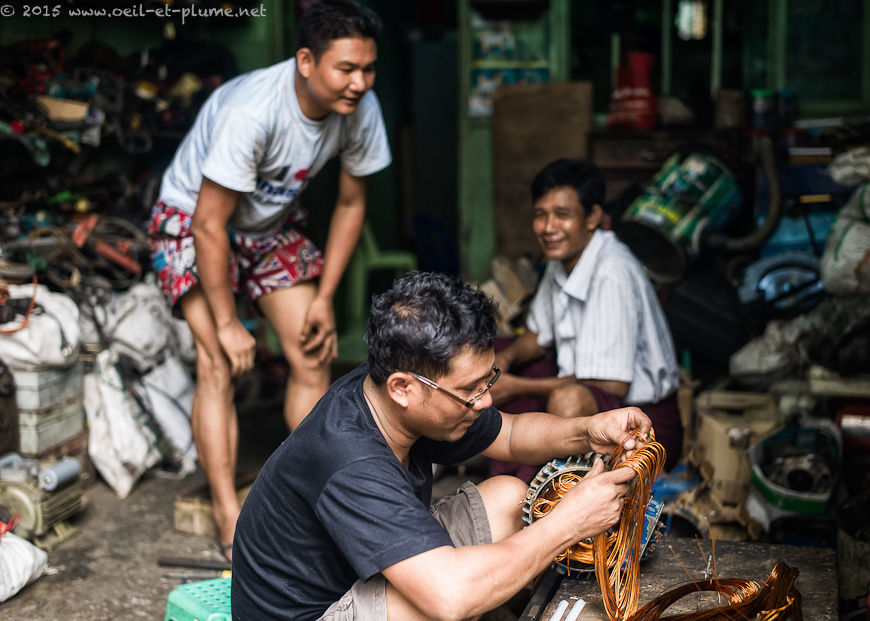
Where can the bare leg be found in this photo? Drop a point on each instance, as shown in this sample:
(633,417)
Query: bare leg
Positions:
(309,378)
(572,400)
(213,419)
(503,497)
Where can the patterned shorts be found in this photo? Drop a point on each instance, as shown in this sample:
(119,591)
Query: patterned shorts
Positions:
(260,265)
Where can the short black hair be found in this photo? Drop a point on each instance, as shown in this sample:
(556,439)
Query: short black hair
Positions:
(327,20)
(586,179)
(423,321)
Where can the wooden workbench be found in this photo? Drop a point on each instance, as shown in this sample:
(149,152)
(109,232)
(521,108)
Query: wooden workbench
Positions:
(665,570)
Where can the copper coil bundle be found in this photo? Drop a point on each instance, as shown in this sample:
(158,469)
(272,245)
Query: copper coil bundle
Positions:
(615,555)
(617,562)
(775,599)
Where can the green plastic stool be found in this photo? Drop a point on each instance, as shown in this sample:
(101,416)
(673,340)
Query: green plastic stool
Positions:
(367,258)
(208,600)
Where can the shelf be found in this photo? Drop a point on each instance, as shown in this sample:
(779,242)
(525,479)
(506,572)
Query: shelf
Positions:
(510,64)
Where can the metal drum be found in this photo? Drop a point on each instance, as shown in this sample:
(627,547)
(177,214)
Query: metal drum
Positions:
(689,195)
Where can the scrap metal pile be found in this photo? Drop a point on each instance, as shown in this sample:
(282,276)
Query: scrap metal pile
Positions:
(83,137)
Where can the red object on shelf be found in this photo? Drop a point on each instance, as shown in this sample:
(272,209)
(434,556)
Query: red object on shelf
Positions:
(632,103)
(854,423)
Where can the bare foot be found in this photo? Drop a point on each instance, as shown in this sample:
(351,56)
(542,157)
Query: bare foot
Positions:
(225,520)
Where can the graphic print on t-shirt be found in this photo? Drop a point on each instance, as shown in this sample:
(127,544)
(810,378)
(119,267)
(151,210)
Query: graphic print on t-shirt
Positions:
(280,189)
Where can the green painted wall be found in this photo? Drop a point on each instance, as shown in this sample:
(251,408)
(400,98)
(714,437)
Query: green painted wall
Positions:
(476,201)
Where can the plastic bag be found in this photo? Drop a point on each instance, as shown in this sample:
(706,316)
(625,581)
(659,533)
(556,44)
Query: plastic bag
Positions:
(167,392)
(770,357)
(21,563)
(52,334)
(138,325)
(122,442)
(845,264)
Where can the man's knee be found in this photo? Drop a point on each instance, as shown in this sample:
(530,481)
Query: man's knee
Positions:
(503,497)
(571,401)
(308,367)
(212,370)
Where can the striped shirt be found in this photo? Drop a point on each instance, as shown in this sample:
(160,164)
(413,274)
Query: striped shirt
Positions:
(606,322)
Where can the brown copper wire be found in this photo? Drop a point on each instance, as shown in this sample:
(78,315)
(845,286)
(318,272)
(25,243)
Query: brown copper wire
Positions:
(615,556)
(615,553)
(775,599)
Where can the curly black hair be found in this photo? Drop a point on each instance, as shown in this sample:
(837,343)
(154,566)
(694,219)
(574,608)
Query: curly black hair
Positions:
(423,321)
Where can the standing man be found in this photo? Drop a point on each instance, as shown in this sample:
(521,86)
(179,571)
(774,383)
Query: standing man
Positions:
(352,535)
(228,218)
(598,309)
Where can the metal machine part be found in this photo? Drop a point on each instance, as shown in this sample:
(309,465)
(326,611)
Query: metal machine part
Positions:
(802,472)
(542,487)
(787,283)
(542,484)
(43,494)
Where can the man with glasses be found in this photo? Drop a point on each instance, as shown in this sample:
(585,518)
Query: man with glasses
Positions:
(338,524)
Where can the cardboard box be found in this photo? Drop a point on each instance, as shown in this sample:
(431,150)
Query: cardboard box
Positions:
(728,423)
(192,512)
(65,110)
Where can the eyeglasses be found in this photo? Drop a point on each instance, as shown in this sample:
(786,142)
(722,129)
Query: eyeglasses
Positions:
(469,403)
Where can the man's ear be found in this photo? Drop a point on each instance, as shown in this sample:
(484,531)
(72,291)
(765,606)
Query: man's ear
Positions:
(594,217)
(305,61)
(398,388)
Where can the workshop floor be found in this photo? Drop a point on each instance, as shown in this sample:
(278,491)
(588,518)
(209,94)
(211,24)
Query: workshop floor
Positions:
(109,569)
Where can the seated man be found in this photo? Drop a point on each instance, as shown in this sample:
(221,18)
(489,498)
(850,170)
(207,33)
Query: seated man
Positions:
(338,524)
(596,306)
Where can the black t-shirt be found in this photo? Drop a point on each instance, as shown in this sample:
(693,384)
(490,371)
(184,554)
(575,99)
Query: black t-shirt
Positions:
(333,504)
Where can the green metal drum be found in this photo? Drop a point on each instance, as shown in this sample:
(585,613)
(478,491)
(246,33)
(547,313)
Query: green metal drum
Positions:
(663,226)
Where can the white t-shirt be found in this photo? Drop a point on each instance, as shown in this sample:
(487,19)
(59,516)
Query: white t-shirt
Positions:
(251,136)
(606,322)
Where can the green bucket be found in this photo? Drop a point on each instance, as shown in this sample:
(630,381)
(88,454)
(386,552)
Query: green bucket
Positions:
(689,195)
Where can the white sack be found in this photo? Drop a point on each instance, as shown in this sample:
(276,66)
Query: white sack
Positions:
(52,335)
(167,392)
(122,443)
(139,325)
(21,563)
(845,264)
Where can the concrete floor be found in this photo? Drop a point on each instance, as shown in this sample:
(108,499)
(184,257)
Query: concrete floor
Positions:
(109,570)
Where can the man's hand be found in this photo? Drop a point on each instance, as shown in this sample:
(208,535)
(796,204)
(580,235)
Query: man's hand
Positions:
(318,331)
(238,345)
(503,361)
(595,503)
(609,429)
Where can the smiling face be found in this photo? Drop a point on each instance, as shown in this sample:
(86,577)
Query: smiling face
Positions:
(337,80)
(441,417)
(562,226)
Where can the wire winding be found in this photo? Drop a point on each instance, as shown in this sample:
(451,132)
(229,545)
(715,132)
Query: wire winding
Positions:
(615,555)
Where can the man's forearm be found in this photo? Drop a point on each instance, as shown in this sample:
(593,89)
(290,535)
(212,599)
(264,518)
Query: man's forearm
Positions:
(524,349)
(536,437)
(344,233)
(536,386)
(212,261)
(470,580)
